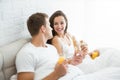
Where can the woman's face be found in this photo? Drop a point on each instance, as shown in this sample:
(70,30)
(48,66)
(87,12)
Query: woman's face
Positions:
(59,25)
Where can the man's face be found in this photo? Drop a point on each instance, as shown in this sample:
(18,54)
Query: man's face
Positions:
(48,33)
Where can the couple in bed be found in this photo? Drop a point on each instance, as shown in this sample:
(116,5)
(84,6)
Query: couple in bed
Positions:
(39,61)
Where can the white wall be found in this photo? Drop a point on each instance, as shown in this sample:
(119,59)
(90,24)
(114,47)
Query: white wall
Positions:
(95,21)
(14,13)
(102,22)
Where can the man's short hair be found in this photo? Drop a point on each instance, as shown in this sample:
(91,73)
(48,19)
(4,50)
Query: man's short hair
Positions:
(35,22)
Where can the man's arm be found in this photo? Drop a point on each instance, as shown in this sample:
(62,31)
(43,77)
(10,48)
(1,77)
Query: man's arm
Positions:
(30,76)
(52,76)
(59,71)
(25,76)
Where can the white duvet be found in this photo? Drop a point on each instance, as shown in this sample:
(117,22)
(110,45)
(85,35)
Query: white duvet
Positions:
(110,73)
(105,67)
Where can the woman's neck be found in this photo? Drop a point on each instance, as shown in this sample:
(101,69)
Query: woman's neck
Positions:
(61,35)
(64,38)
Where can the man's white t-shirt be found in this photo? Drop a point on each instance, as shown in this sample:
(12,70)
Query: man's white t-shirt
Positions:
(41,61)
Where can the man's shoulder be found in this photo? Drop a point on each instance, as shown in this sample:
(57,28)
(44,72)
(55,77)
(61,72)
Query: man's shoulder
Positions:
(27,45)
(50,45)
(26,48)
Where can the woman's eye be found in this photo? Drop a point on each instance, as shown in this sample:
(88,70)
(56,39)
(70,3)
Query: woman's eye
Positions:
(55,23)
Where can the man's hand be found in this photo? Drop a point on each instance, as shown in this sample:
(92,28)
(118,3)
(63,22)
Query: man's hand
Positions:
(61,69)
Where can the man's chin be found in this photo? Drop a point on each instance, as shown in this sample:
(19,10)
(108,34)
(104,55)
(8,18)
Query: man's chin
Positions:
(50,37)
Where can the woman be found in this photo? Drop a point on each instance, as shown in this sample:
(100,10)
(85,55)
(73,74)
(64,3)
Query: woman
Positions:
(62,40)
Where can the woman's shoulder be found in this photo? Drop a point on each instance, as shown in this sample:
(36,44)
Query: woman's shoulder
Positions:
(69,34)
(55,39)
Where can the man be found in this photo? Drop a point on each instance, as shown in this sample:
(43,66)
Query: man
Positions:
(38,60)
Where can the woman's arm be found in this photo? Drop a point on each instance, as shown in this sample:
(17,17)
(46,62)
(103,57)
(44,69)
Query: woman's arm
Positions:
(76,59)
(57,44)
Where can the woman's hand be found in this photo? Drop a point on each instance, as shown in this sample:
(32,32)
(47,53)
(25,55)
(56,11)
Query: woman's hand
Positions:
(84,48)
(77,58)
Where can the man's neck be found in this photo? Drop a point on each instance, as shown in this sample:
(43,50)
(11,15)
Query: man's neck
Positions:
(38,41)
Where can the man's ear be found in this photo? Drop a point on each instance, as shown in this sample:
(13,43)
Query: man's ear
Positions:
(43,29)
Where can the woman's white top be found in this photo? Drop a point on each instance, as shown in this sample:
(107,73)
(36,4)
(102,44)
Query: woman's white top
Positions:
(67,50)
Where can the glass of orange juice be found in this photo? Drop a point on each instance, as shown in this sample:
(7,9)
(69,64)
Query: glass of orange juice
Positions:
(94,54)
(61,59)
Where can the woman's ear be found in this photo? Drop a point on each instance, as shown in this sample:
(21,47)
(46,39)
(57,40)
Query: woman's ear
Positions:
(43,29)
